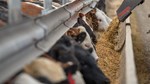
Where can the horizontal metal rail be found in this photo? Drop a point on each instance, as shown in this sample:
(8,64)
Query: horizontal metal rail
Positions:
(23,42)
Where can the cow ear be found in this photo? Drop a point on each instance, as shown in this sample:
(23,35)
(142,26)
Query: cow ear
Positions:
(81,15)
(78,31)
(68,33)
(81,37)
(93,11)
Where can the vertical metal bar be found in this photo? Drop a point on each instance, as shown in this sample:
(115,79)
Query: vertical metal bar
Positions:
(14,11)
(47,6)
(63,2)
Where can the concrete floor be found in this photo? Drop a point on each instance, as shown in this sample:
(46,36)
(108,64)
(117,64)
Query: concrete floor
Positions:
(141,41)
(143,20)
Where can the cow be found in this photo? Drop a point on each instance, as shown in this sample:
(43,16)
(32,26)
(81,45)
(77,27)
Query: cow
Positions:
(98,20)
(86,63)
(89,69)
(81,21)
(43,67)
(83,38)
(83,34)
(31,9)
(62,51)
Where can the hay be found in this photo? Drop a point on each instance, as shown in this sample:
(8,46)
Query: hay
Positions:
(109,59)
(112,31)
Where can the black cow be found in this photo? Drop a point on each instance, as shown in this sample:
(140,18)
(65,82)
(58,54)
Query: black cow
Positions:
(91,73)
(66,50)
(63,51)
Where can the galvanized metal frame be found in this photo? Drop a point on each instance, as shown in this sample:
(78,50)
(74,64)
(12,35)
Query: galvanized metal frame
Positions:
(23,42)
(47,6)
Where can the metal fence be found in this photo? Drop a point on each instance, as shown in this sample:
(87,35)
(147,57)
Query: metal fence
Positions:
(24,40)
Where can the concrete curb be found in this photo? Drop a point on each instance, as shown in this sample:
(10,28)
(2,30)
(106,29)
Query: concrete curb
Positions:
(130,69)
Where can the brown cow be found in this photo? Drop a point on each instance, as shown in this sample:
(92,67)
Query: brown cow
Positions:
(31,9)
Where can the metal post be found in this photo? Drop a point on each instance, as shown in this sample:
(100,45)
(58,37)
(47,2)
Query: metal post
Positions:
(14,11)
(47,6)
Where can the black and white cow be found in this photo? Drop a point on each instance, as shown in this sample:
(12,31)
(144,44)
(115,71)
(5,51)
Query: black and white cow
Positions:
(89,69)
(87,64)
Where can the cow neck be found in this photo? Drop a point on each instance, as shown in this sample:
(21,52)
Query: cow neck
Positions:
(88,29)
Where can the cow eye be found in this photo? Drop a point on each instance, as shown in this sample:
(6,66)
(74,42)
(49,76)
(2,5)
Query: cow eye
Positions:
(87,45)
(90,50)
(100,20)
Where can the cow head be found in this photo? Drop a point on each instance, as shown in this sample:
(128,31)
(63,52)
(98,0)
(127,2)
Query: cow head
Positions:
(92,74)
(98,19)
(81,21)
(103,20)
(62,51)
(83,38)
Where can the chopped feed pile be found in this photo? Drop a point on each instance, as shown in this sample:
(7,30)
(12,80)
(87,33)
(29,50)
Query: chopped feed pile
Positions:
(111,32)
(109,59)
